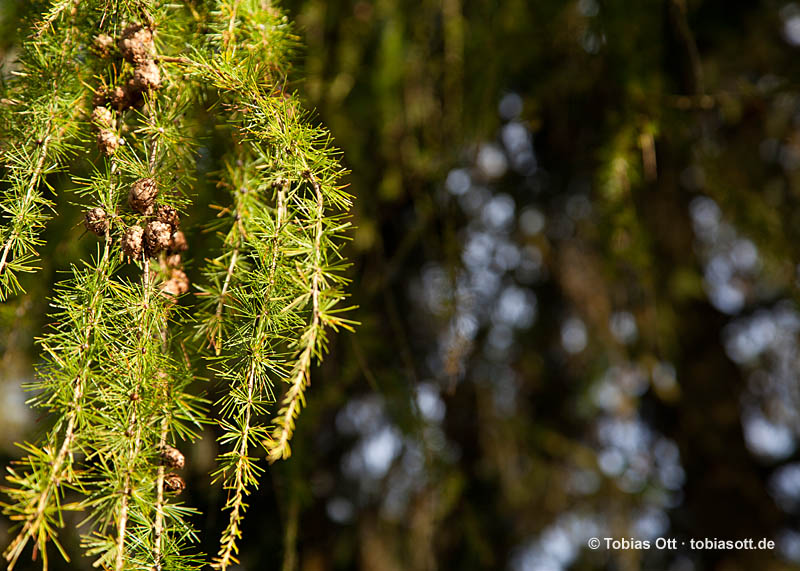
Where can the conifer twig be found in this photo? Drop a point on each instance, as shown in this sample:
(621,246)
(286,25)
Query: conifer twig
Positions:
(134,427)
(158,527)
(278,443)
(52,481)
(228,547)
(24,204)
(240,480)
(111,378)
(58,7)
(280,291)
(228,39)
(37,173)
(221,304)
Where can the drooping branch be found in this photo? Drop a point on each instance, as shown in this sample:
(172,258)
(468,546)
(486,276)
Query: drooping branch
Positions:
(29,158)
(278,443)
(118,395)
(54,471)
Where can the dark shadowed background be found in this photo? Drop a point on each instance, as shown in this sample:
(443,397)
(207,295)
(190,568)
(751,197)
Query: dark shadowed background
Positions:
(576,266)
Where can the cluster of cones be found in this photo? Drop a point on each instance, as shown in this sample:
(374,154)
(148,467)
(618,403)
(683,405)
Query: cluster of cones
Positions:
(135,45)
(173,458)
(160,233)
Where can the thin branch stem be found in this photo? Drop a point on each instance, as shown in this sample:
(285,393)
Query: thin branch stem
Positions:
(158,527)
(278,448)
(134,428)
(218,314)
(228,547)
(34,522)
(45,23)
(37,173)
(54,114)
(171,59)
(231,27)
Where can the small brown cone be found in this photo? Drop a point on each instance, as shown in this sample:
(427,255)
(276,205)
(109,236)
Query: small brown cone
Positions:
(174,483)
(136,44)
(120,98)
(132,242)
(96,221)
(142,195)
(102,45)
(107,142)
(174,261)
(156,237)
(103,118)
(173,457)
(146,76)
(168,215)
(177,285)
(178,242)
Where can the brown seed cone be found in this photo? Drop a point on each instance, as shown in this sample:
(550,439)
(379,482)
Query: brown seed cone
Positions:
(96,221)
(146,76)
(136,43)
(178,242)
(156,237)
(177,285)
(102,45)
(171,288)
(119,98)
(107,142)
(168,215)
(182,280)
(173,457)
(102,117)
(132,242)
(174,483)
(142,195)
(174,261)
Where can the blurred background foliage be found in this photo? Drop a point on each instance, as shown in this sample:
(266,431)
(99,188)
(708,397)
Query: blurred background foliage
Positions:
(576,266)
